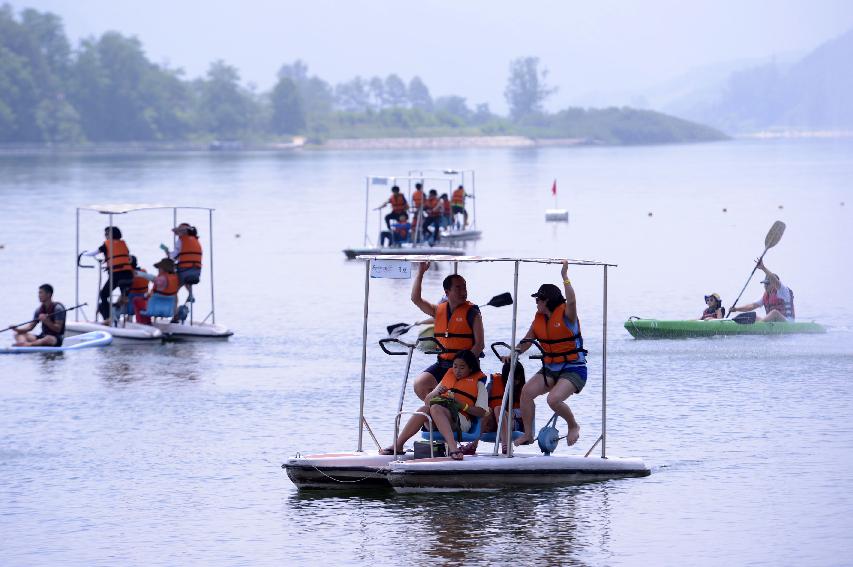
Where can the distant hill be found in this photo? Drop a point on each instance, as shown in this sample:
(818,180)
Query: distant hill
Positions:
(814,93)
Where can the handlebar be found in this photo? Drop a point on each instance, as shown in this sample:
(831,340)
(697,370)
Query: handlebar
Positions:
(534,342)
(80,257)
(383,342)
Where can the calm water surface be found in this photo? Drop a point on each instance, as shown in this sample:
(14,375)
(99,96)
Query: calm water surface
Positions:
(171,454)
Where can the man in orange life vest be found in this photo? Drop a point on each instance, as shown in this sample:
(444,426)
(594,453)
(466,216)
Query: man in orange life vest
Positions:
(458,327)
(398,203)
(187,254)
(557,329)
(778,300)
(116,256)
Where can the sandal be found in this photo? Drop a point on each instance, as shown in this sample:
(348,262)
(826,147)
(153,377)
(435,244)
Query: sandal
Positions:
(389,451)
(456,455)
(468,449)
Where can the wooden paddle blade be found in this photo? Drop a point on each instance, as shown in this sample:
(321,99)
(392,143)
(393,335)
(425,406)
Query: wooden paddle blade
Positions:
(747,318)
(501,300)
(774,235)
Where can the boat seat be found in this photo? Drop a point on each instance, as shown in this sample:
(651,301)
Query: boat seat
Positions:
(160,306)
(493,435)
(471,435)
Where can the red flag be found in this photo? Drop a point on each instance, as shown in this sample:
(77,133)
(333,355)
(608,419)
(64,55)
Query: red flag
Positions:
(554,188)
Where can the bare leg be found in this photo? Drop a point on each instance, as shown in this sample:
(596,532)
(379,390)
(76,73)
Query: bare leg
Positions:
(441,419)
(424,384)
(774,316)
(534,388)
(44,341)
(24,339)
(556,400)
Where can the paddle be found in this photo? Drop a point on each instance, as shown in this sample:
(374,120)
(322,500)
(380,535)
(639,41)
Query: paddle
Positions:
(747,318)
(774,235)
(34,320)
(398,329)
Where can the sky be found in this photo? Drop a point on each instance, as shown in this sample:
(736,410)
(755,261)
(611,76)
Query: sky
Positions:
(590,49)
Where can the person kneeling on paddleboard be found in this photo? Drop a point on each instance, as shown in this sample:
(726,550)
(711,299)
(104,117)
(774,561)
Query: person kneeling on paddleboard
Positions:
(51,315)
(778,299)
(459,397)
(715,309)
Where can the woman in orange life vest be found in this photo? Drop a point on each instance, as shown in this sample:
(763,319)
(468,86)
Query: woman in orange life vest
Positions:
(778,299)
(715,309)
(117,258)
(188,255)
(398,204)
(457,200)
(136,295)
(162,298)
(458,326)
(495,389)
(462,384)
(563,372)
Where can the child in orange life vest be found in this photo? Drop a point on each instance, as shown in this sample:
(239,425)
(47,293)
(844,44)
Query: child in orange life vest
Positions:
(715,309)
(462,385)
(137,294)
(495,389)
(162,298)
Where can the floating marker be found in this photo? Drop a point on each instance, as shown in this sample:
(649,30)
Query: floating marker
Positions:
(237,235)
(725,210)
(650,213)
(781,207)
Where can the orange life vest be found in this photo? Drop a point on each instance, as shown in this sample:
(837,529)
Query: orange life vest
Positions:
(418,198)
(118,256)
(458,197)
(431,204)
(190,254)
(452,330)
(445,206)
(464,389)
(173,284)
(398,203)
(556,339)
(139,284)
(496,392)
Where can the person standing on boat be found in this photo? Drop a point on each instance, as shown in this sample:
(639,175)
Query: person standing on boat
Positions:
(51,315)
(715,309)
(188,255)
(557,330)
(458,327)
(118,267)
(452,405)
(457,201)
(399,206)
(778,299)
(432,206)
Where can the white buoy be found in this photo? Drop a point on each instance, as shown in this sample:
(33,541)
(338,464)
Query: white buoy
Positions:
(556,215)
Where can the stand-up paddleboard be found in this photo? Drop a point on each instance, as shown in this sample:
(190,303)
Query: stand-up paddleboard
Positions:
(77,342)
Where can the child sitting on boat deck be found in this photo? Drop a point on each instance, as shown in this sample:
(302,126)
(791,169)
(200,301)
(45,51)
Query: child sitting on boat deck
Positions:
(460,396)
(715,309)
(162,298)
(399,232)
(496,392)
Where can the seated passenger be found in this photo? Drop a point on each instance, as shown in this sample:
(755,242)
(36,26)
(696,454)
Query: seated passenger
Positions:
(496,393)
(136,300)
(51,315)
(459,396)
(162,299)
(398,234)
(715,308)
(446,214)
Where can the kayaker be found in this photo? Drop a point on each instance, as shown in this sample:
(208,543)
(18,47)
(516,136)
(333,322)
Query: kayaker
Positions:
(398,206)
(457,202)
(51,315)
(715,309)
(557,329)
(459,397)
(188,255)
(495,389)
(778,299)
(116,257)
(458,326)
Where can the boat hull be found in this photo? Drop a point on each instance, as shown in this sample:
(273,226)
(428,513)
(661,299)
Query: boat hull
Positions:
(77,342)
(351,253)
(464,234)
(489,473)
(128,333)
(194,332)
(657,329)
(340,471)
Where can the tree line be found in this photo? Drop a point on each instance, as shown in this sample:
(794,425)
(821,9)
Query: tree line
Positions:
(107,90)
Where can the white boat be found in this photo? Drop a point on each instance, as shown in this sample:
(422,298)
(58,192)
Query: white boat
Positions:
(124,333)
(127,331)
(404,473)
(77,342)
(352,253)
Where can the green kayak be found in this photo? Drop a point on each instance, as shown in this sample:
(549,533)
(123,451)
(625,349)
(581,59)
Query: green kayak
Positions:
(656,329)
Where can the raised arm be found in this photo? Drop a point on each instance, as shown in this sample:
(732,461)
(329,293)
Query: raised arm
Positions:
(571,302)
(774,279)
(425,306)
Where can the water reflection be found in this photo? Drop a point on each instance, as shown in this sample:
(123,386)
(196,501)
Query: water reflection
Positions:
(179,361)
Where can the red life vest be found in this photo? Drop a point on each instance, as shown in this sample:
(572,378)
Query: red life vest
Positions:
(556,339)
(773,301)
(190,254)
(452,330)
(496,392)
(711,313)
(464,389)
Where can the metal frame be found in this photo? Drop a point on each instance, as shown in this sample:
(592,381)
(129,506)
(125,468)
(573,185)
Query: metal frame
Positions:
(460,173)
(393,179)
(120,209)
(368,258)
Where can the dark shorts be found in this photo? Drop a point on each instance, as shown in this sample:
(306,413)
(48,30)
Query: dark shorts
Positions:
(439,369)
(457,208)
(574,374)
(57,337)
(189,276)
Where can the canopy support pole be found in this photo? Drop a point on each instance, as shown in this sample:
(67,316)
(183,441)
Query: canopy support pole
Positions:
(77,266)
(210,261)
(604,371)
(509,381)
(363,354)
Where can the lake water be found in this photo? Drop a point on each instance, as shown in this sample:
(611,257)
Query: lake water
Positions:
(171,454)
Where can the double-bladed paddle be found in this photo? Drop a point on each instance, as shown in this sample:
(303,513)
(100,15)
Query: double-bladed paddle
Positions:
(774,235)
(50,314)
(398,329)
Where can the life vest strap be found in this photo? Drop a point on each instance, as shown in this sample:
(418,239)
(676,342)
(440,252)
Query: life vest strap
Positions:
(465,394)
(557,341)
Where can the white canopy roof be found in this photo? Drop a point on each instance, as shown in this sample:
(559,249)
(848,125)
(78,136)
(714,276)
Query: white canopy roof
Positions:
(448,258)
(122,208)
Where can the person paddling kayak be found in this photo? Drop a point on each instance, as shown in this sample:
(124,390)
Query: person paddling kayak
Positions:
(778,299)
(51,315)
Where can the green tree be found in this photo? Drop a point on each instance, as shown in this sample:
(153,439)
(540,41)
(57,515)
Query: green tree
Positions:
(526,89)
(419,96)
(288,114)
(317,96)
(395,92)
(353,96)
(225,107)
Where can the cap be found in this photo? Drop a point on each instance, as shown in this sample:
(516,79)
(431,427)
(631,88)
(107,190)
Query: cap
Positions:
(714,295)
(765,280)
(166,264)
(548,291)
